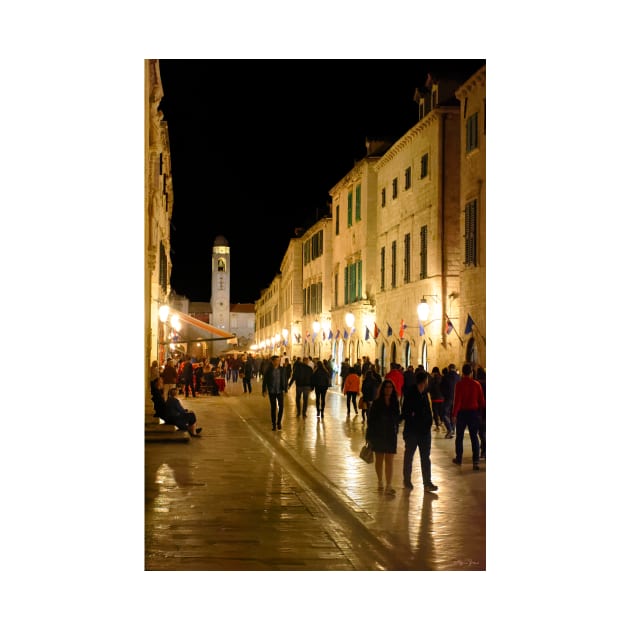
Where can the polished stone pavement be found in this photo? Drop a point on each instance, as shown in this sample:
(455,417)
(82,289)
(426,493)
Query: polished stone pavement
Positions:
(245,498)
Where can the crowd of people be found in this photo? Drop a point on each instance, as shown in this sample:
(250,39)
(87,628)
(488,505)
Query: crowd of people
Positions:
(438,401)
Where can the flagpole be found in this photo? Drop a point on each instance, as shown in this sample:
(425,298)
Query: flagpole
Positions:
(448,319)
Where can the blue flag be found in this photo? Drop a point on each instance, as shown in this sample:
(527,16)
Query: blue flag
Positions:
(469,325)
(367,333)
(330,334)
(389,330)
(345,334)
(421,330)
(449,327)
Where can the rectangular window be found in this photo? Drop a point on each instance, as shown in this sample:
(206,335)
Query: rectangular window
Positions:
(382,268)
(352,293)
(472,138)
(395,188)
(163,267)
(383,195)
(424,166)
(423,251)
(407,259)
(345,285)
(408,178)
(470,233)
(357,201)
(336,219)
(336,289)
(306,249)
(317,244)
(359,280)
(349,208)
(393,264)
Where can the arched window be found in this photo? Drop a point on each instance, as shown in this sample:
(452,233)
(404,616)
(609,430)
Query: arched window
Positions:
(221,264)
(422,357)
(406,355)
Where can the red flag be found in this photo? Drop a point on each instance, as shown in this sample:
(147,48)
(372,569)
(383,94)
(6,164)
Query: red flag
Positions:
(449,327)
(376,331)
(401,334)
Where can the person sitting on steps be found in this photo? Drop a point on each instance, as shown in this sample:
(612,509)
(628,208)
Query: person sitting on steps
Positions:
(182,418)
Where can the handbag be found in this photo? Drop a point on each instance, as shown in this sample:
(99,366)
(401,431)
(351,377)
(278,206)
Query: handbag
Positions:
(367,454)
(362,404)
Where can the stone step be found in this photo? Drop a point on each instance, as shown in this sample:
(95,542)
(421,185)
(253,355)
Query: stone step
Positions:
(178,436)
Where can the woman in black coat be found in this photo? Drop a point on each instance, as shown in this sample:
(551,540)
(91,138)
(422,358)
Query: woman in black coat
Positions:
(382,432)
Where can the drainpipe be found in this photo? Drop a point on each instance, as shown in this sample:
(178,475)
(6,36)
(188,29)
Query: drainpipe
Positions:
(441,206)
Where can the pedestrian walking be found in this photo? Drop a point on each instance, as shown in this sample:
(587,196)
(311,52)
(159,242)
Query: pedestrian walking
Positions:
(188,377)
(382,433)
(480,376)
(395,375)
(437,402)
(467,406)
(418,417)
(321,382)
(248,370)
(302,374)
(450,378)
(351,387)
(275,384)
(369,390)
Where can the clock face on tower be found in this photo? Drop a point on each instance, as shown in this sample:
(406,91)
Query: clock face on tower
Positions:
(221,304)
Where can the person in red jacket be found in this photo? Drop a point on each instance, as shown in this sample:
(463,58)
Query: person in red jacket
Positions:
(467,406)
(396,376)
(351,387)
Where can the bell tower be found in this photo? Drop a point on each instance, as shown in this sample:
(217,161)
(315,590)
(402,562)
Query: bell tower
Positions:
(220,297)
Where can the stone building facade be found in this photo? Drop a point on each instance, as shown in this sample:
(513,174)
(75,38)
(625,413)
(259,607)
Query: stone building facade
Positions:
(407,227)
(158,209)
(472,97)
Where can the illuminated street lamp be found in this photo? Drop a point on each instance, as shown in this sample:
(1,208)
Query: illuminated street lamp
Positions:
(423,307)
(163,312)
(316,327)
(349,320)
(423,310)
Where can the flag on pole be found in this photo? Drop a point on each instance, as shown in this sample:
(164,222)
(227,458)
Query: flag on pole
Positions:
(469,325)
(389,330)
(401,333)
(323,335)
(376,331)
(449,326)
(308,334)
(330,334)
(338,334)
(367,333)
(297,338)
(421,327)
(345,334)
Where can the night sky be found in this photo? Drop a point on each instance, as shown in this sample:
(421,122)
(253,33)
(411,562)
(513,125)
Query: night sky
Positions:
(257,144)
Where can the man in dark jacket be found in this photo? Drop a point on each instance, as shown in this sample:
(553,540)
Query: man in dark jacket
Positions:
(275,382)
(187,374)
(302,375)
(416,411)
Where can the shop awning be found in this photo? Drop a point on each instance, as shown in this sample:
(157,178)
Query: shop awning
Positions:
(195,330)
